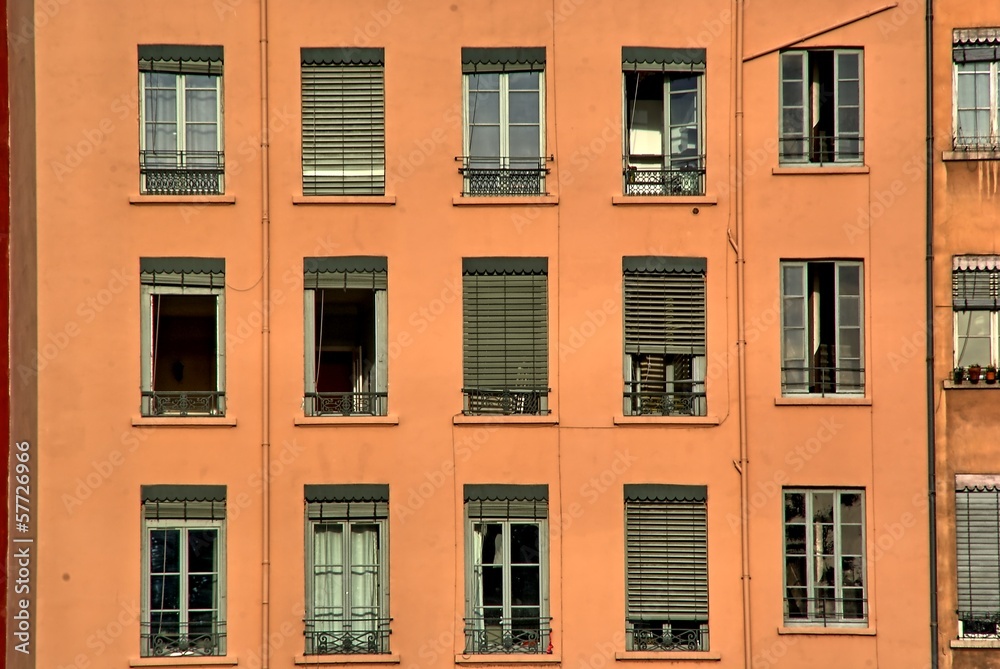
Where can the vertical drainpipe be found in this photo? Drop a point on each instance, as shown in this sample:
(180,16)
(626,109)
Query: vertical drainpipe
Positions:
(265,446)
(744,462)
(931,455)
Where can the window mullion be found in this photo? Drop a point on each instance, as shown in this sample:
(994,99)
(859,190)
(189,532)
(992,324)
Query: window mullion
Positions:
(811,553)
(665,137)
(507,590)
(504,119)
(180,97)
(838,573)
(345,566)
(183,585)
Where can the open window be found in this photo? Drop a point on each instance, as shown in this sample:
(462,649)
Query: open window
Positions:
(183,336)
(346,344)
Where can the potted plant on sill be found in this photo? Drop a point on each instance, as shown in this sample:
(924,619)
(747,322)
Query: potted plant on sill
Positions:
(958,375)
(974,372)
(991,374)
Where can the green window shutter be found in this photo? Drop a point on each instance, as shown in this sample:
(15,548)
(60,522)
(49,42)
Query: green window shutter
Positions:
(977,535)
(343,122)
(505,329)
(848,67)
(364,272)
(794,94)
(664,305)
(667,559)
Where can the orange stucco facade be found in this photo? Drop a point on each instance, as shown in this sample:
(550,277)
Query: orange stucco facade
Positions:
(76,376)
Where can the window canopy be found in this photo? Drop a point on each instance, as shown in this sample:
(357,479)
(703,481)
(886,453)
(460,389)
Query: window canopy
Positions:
(509,59)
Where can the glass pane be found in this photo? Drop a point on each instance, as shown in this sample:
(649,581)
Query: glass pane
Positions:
(795,507)
(794,349)
(524,586)
(854,605)
(798,603)
(847,65)
(161,106)
(164,592)
(490,536)
(853,572)
(792,122)
(203,138)
(165,623)
(850,345)
(683,108)
(523,81)
(850,540)
(161,137)
(826,535)
(201,81)
(848,94)
(795,571)
(850,508)
(791,66)
(492,586)
(523,108)
(201,591)
(974,323)
(826,571)
(973,351)
(849,120)
(850,311)
(524,544)
(201,106)
(823,507)
(791,94)
(489,81)
(524,142)
(794,312)
(484,141)
(201,551)
(160,80)
(982,90)
(683,84)
(791,280)
(484,107)
(795,539)
(163,552)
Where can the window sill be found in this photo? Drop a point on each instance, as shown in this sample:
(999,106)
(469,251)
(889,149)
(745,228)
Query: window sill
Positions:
(182,199)
(314,421)
(345,199)
(668,656)
(975,643)
(524,658)
(187,421)
(961,156)
(966,385)
(829,631)
(679,200)
(699,421)
(828,400)
(462,419)
(812,170)
(505,200)
(334,660)
(180,661)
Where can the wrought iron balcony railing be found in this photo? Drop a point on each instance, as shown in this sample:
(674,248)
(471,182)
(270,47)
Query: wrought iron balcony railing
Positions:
(976,143)
(687,177)
(494,635)
(181,172)
(826,610)
(183,403)
(822,149)
(666,637)
(346,404)
(822,380)
(979,624)
(491,176)
(166,640)
(669,402)
(522,400)
(346,636)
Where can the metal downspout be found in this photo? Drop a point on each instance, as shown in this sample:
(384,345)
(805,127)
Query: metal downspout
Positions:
(931,452)
(265,446)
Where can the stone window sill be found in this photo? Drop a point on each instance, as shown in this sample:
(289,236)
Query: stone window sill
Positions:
(966,385)
(680,200)
(186,421)
(505,201)
(814,170)
(699,421)
(336,660)
(828,631)
(385,200)
(314,421)
(200,661)
(462,419)
(527,658)
(960,156)
(182,199)
(669,656)
(829,400)
(975,643)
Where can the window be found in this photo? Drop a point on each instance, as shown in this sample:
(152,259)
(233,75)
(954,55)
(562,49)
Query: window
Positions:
(504,92)
(825,557)
(505,338)
(346,336)
(347,594)
(183,336)
(975,294)
(822,337)
(666,567)
(977,90)
(977,539)
(507,569)
(664,336)
(822,96)
(664,121)
(183,570)
(180,118)
(343,121)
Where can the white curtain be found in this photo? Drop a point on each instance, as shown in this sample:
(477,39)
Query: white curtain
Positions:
(364,578)
(202,118)
(478,537)
(328,577)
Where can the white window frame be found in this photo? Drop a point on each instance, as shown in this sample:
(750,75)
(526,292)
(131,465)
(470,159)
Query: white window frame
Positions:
(813,618)
(993,140)
(994,337)
(148,293)
(185,526)
(180,95)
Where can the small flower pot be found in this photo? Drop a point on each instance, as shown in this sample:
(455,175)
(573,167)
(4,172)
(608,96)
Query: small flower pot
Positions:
(958,375)
(974,373)
(991,375)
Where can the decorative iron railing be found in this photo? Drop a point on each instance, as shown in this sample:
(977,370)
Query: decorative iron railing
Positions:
(979,624)
(346,636)
(183,403)
(825,610)
(667,637)
(165,640)
(822,380)
(822,149)
(181,172)
(346,404)
(669,402)
(687,178)
(505,401)
(503,176)
(972,143)
(495,635)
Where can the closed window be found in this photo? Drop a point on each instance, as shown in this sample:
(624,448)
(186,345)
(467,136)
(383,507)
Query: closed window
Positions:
(183,336)
(183,570)
(822,111)
(664,121)
(822,333)
(346,344)
(977,540)
(825,557)
(666,567)
(664,336)
(505,336)
(347,594)
(506,569)
(976,52)
(975,293)
(504,103)
(343,121)
(180,120)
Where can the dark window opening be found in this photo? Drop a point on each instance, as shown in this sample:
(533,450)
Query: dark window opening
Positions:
(345,349)
(185,343)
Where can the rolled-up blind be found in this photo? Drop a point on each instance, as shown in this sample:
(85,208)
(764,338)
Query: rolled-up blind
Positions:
(664,306)
(977,536)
